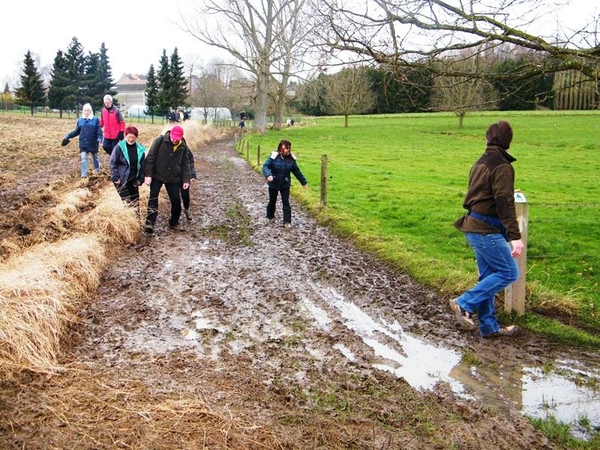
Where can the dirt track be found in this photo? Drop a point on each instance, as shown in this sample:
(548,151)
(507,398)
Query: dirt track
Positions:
(284,336)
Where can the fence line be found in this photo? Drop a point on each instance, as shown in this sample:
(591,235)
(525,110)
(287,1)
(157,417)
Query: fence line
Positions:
(516,294)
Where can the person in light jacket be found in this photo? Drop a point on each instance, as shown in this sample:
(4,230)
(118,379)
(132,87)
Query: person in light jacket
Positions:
(127,166)
(90,135)
(277,169)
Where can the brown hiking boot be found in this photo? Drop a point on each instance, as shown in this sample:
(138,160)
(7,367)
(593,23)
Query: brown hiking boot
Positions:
(463,317)
(509,331)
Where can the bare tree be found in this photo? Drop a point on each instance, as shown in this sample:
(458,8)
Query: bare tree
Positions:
(401,33)
(349,92)
(264,37)
(461,94)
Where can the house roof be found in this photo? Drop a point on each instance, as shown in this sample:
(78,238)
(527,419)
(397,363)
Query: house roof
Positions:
(128,79)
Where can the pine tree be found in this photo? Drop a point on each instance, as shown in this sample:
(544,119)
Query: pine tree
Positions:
(179,85)
(31,93)
(76,70)
(151,93)
(164,85)
(61,88)
(105,81)
(93,86)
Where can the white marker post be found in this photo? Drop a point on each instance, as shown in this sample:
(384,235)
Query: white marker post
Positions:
(514,295)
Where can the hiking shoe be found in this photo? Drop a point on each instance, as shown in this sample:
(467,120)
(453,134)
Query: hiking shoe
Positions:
(287,225)
(510,331)
(188,214)
(149,228)
(463,317)
(174,226)
(270,221)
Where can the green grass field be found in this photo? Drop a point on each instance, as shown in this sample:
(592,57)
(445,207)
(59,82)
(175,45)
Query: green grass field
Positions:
(396,184)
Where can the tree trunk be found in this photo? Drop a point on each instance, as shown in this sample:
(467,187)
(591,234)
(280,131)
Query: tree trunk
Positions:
(262,101)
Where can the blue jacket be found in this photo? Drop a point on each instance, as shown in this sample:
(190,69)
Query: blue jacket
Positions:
(89,132)
(120,165)
(280,168)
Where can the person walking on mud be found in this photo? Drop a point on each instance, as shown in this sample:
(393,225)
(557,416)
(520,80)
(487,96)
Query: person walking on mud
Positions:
(489,226)
(113,124)
(90,135)
(127,166)
(168,164)
(277,169)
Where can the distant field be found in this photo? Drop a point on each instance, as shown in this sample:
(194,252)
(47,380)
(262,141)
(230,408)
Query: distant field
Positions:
(396,185)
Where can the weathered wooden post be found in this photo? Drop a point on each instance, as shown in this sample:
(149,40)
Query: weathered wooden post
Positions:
(248,151)
(258,156)
(514,295)
(323,180)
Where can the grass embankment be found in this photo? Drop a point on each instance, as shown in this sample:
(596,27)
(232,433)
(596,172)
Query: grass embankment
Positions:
(396,185)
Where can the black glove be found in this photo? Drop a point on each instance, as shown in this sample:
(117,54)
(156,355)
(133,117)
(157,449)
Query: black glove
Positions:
(121,136)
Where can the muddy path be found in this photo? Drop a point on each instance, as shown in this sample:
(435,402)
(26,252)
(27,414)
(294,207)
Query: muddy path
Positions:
(306,341)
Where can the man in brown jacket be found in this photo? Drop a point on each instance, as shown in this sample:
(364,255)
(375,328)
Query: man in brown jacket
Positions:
(489,226)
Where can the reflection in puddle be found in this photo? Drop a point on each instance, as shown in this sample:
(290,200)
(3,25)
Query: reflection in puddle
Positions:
(423,365)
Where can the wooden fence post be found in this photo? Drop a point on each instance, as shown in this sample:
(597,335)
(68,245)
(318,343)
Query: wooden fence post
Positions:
(514,295)
(248,151)
(323,180)
(258,156)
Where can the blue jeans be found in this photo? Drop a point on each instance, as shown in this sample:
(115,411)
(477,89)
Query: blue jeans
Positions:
(84,162)
(497,269)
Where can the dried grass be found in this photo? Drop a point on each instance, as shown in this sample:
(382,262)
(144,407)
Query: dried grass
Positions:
(197,134)
(102,409)
(38,293)
(111,220)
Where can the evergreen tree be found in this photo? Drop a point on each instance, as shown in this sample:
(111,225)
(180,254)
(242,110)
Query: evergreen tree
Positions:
(179,85)
(76,70)
(31,93)
(164,85)
(7,99)
(61,87)
(93,86)
(151,93)
(105,81)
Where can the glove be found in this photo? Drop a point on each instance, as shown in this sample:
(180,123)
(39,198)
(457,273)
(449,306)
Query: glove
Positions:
(121,136)
(65,141)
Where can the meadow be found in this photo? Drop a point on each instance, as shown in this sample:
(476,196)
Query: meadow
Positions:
(396,183)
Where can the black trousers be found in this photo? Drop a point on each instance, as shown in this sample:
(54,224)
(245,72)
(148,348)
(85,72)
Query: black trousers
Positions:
(285,202)
(109,144)
(174,193)
(185,196)
(129,192)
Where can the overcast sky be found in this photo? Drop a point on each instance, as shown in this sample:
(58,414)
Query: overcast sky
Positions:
(135,33)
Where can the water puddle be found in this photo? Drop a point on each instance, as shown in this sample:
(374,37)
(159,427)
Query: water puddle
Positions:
(569,394)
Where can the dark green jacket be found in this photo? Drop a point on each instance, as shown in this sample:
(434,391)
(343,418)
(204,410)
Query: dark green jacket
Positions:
(491,192)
